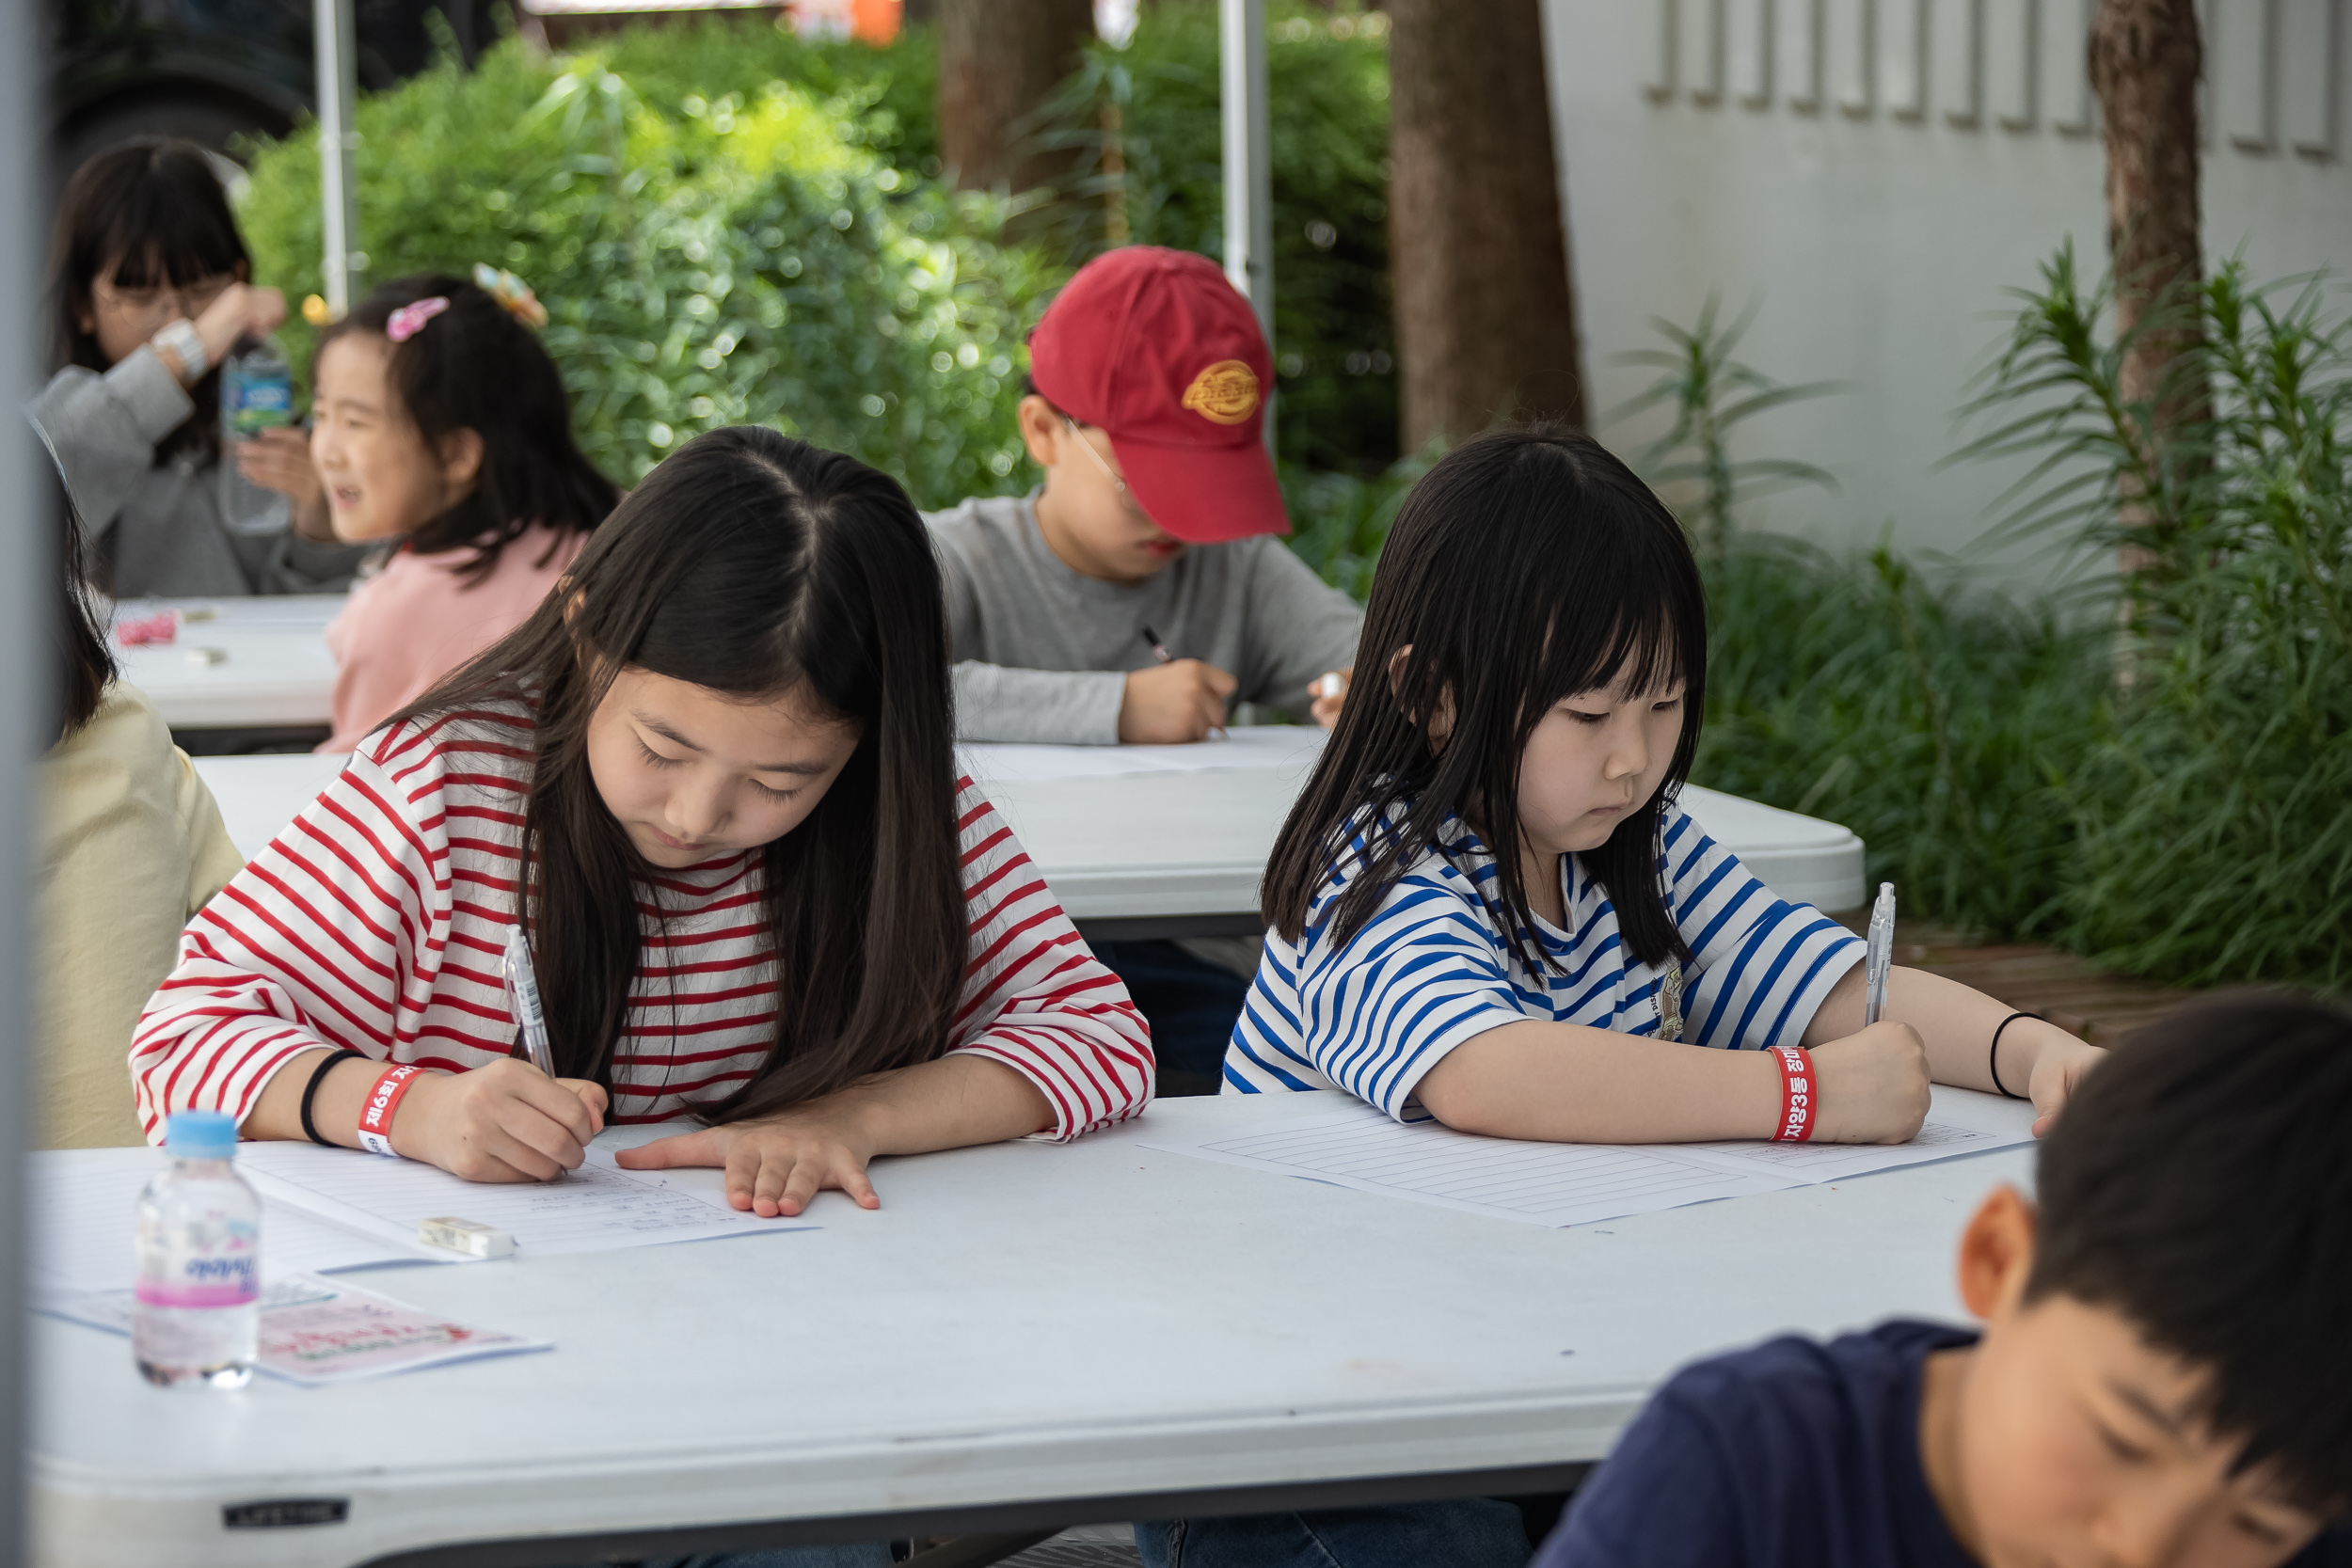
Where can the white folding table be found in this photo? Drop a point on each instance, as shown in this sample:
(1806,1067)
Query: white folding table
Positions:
(1025,1335)
(272,669)
(1154,840)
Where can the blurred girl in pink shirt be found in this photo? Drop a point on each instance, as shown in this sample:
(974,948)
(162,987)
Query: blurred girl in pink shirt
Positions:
(440,426)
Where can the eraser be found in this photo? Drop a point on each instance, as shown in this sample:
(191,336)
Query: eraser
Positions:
(1332,684)
(208,655)
(467,1237)
(200,612)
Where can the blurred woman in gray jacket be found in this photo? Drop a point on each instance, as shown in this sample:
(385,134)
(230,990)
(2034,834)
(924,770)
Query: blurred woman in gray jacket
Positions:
(152,290)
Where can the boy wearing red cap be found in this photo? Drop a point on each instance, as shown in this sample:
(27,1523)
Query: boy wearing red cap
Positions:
(1142,588)
(1159,509)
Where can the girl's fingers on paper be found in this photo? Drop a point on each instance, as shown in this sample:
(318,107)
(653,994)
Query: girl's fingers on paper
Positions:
(707,1147)
(860,1189)
(757,1178)
(807,1177)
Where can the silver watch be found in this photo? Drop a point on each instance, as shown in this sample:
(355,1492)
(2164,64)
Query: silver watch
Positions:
(186,346)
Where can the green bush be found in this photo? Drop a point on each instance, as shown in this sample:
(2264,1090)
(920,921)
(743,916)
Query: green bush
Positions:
(1156,104)
(2214,837)
(1938,723)
(715,242)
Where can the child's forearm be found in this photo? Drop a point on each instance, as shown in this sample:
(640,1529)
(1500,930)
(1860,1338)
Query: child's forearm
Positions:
(1563,1083)
(1954,1022)
(957,1101)
(334,1109)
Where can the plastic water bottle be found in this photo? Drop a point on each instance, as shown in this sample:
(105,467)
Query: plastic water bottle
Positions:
(256,394)
(198,1319)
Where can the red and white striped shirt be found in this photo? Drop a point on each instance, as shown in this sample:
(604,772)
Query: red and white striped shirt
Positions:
(377,918)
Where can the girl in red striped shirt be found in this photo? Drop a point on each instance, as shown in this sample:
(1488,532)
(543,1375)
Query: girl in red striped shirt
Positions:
(713,779)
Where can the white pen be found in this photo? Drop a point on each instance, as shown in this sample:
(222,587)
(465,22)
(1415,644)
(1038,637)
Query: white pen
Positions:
(522,982)
(1880,956)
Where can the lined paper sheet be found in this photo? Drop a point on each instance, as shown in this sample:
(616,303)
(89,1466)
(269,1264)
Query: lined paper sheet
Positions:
(83,1206)
(1353,1145)
(594,1209)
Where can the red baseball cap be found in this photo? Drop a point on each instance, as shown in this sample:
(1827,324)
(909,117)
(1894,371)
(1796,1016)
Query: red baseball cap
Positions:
(1158,349)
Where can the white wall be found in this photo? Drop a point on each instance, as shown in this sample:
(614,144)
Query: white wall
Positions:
(1874,178)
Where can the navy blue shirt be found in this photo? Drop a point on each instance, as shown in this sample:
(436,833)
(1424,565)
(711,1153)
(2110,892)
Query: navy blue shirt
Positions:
(1795,1455)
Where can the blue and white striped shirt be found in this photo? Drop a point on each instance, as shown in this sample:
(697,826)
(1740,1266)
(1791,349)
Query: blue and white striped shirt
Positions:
(1432,968)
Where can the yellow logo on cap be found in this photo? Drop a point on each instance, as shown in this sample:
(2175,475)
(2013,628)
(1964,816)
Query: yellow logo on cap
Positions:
(1226,392)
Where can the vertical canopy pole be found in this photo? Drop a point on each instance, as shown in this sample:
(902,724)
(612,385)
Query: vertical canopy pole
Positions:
(339,185)
(1249,169)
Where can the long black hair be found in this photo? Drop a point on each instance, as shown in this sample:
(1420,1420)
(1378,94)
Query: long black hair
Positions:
(152,209)
(84,664)
(1528,565)
(752,564)
(476,367)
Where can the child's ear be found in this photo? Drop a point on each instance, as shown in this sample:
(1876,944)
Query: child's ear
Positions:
(1441,721)
(461,460)
(1041,430)
(1996,1253)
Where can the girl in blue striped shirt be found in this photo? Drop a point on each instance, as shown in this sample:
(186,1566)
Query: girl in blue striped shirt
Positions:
(1488,907)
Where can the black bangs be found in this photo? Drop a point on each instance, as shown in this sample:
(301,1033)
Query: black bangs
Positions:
(1528,565)
(167,238)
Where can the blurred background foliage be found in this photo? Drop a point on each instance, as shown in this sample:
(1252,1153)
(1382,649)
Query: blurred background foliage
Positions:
(714,220)
(1141,127)
(677,196)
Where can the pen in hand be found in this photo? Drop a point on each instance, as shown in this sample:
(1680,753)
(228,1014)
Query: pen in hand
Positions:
(1159,651)
(522,980)
(1878,957)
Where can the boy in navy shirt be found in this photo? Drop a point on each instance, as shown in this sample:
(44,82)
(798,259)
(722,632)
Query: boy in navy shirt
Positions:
(2164,1374)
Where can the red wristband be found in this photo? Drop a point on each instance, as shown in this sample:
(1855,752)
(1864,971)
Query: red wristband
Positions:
(375,1115)
(1799,1098)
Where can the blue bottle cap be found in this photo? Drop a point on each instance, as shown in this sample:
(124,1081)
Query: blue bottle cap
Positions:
(202,1135)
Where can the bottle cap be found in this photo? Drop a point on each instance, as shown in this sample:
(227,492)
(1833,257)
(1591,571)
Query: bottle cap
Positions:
(202,1135)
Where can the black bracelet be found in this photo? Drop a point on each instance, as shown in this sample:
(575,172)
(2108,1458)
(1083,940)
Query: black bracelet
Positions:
(309,1092)
(1993,1057)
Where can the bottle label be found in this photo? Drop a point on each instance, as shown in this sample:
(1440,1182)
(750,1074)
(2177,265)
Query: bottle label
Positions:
(259,403)
(225,1273)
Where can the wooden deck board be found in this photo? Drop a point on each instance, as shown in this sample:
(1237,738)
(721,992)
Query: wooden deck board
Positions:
(2099,1005)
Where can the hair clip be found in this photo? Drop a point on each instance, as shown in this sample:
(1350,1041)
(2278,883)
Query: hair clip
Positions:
(511,292)
(407,321)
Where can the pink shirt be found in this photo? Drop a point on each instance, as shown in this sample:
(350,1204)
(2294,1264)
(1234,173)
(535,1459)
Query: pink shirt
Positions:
(416,620)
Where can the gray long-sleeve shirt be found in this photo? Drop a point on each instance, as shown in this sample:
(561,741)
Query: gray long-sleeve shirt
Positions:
(1042,651)
(159,526)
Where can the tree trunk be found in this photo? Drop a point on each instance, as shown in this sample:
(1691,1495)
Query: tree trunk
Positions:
(998,60)
(1486,321)
(2145,60)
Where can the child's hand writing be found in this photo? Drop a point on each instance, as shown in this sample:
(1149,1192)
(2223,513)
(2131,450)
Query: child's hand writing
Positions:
(1874,1086)
(505,1122)
(1169,703)
(774,1167)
